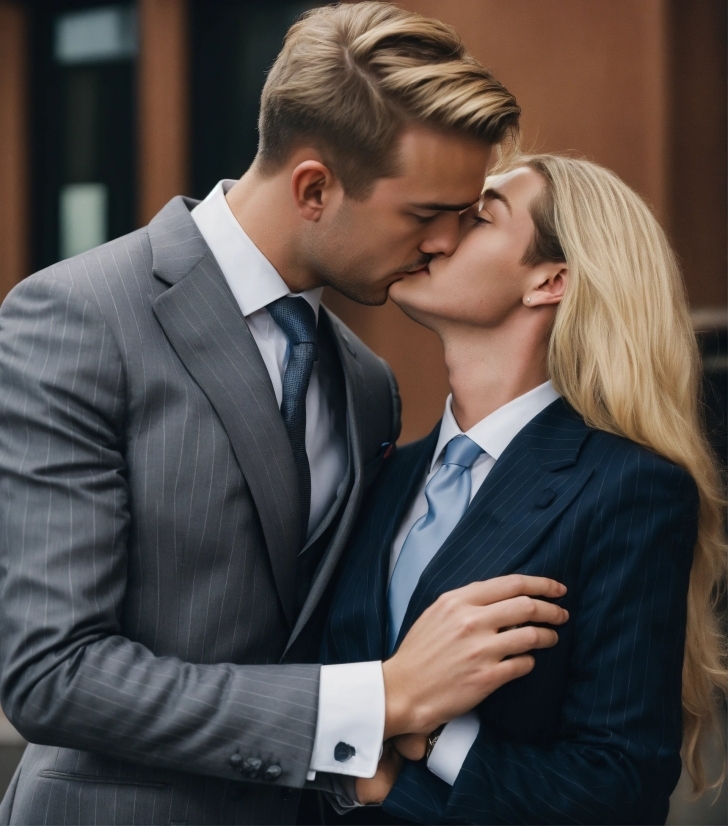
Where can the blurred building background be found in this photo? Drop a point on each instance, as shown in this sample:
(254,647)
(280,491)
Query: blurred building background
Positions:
(108,110)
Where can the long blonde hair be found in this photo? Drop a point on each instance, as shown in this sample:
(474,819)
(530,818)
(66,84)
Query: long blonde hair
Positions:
(623,353)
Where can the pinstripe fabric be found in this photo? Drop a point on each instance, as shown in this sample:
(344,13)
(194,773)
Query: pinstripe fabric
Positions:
(593,734)
(148,539)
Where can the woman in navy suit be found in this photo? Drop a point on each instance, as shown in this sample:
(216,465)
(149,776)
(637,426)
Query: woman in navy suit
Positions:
(571,447)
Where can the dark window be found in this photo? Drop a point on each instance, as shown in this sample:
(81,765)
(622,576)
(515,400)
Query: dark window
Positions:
(83,125)
(234,43)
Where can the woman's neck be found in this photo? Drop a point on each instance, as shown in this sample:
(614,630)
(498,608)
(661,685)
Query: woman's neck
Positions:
(488,368)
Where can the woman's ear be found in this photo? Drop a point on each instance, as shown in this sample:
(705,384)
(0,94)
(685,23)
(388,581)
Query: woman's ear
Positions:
(548,285)
(312,185)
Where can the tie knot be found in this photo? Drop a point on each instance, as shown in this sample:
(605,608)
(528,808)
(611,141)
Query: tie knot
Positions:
(461,451)
(295,316)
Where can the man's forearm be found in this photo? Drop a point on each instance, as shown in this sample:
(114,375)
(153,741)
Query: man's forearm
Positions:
(115,697)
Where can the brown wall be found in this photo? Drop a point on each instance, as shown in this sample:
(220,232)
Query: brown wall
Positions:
(637,85)
(163,104)
(13,147)
(698,171)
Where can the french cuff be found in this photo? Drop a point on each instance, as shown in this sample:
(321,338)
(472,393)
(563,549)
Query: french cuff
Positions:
(452,747)
(350,724)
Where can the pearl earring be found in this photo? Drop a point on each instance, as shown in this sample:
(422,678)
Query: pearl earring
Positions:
(529,300)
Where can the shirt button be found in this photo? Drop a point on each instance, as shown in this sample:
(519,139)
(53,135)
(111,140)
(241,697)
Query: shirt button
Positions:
(236,761)
(343,752)
(272,772)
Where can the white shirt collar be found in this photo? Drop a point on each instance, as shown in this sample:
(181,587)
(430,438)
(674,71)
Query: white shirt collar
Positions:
(254,281)
(495,432)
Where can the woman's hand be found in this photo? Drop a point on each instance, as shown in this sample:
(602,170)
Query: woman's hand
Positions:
(457,652)
(375,789)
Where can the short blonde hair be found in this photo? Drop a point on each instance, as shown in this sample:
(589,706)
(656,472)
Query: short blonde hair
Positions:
(350,77)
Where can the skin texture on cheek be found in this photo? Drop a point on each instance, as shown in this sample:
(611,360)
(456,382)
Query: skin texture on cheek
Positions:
(485,280)
(356,253)
(361,247)
(471,287)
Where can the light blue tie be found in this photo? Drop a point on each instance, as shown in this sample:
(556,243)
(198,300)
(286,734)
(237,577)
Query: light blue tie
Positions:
(448,497)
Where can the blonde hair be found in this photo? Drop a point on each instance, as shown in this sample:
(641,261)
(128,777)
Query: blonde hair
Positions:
(350,77)
(623,353)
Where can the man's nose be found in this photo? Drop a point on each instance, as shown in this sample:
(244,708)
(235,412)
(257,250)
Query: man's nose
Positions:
(443,236)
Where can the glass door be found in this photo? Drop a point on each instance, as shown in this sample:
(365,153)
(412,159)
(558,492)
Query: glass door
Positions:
(84,126)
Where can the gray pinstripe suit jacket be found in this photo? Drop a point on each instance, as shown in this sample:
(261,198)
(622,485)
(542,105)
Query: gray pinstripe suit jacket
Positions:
(149,624)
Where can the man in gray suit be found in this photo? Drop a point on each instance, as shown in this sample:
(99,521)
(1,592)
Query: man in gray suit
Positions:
(186,436)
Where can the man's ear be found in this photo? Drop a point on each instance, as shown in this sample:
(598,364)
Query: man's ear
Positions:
(548,285)
(313,185)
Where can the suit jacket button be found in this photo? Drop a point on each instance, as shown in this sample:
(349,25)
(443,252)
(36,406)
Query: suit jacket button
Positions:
(236,761)
(272,772)
(343,752)
(252,766)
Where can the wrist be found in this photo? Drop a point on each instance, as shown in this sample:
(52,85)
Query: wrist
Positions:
(403,712)
(396,704)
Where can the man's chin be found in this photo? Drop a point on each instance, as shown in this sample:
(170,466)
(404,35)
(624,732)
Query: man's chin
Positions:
(371,296)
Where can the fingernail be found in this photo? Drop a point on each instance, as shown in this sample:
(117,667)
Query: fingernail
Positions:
(567,614)
(562,588)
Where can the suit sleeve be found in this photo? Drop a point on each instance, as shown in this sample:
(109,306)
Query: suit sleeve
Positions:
(616,758)
(69,677)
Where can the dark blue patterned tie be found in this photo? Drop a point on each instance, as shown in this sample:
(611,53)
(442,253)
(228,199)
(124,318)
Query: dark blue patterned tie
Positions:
(296,318)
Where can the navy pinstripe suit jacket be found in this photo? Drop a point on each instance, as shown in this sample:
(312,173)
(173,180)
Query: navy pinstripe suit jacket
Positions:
(593,734)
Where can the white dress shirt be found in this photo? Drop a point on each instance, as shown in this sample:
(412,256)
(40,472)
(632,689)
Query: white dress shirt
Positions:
(493,434)
(351,696)
(255,283)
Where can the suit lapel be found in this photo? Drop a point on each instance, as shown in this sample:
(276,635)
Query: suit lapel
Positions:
(532,483)
(204,325)
(357,621)
(405,485)
(330,363)
(355,410)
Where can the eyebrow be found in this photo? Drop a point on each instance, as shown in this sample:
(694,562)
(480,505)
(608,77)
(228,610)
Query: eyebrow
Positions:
(444,207)
(494,195)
